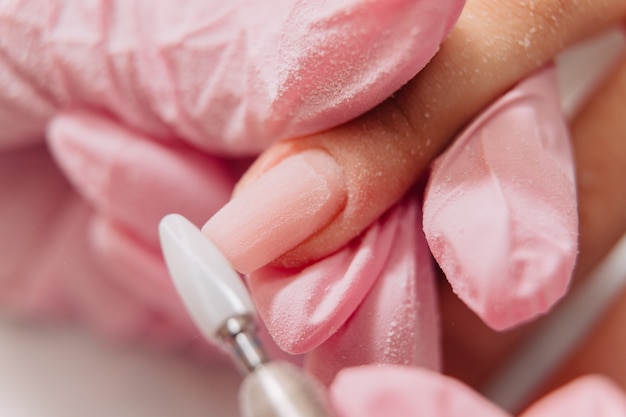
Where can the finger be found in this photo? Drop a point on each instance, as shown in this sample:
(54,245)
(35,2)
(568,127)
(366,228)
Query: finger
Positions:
(404,391)
(598,130)
(132,179)
(302,308)
(375,158)
(370,391)
(586,397)
(137,269)
(556,336)
(500,206)
(397,322)
(132,182)
(230,77)
(597,134)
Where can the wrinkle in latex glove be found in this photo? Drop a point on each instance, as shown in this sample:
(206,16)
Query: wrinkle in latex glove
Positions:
(302,308)
(500,207)
(228,77)
(500,217)
(398,321)
(111,83)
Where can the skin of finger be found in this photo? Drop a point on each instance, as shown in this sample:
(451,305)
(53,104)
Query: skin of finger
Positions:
(598,133)
(383,152)
(476,363)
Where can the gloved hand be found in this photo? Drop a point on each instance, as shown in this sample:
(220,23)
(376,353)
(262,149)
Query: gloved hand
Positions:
(403,392)
(508,172)
(94,257)
(137,99)
(128,106)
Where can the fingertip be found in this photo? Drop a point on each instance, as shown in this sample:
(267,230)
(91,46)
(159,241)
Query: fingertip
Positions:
(279,209)
(589,395)
(366,150)
(397,321)
(133,178)
(500,207)
(405,391)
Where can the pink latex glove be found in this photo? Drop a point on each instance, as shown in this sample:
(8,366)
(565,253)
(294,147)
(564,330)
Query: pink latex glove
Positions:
(227,77)
(127,92)
(373,301)
(500,210)
(394,391)
(96,259)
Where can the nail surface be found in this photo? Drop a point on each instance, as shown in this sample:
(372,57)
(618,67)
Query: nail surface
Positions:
(282,208)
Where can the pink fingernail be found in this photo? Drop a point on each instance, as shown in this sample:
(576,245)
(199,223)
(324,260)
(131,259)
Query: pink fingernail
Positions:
(279,210)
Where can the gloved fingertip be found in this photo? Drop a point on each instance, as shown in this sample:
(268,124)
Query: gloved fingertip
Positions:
(500,207)
(397,322)
(392,390)
(591,395)
(134,179)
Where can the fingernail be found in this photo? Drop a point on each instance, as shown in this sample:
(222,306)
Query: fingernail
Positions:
(279,210)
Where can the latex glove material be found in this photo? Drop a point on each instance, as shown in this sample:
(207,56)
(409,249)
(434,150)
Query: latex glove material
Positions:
(49,265)
(399,315)
(372,302)
(121,89)
(483,202)
(404,392)
(228,77)
(500,207)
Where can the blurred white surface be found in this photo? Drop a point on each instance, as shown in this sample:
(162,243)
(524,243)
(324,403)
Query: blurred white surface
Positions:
(50,371)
